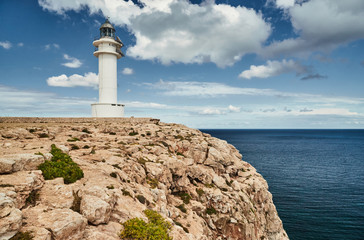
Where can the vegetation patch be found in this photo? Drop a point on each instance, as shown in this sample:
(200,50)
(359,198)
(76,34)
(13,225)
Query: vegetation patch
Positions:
(110,187)
(61,165)
(126,193)
(85,130)
(153,182)
(133,133)
(113,174)
(200,192)
(74,147)
(74,139)
(184,196)
(22,236)
(141,199)
(43,135)
(6,185)
(32,198)
(155,229)
(210,211)
(32,130)
(116,166)
(182,208)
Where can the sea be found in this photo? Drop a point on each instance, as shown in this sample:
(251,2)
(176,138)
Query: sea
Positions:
(316,178)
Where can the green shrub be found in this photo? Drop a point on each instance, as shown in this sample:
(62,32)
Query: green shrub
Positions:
(74,139)
(156,228)
(210,211)
(185,197)
(133,133)
(113,174)
(85,130)
(182,208)
(141,199)
(61,165)
(43,135)
(153,182)
(200,192)
(74,147)
(22,236)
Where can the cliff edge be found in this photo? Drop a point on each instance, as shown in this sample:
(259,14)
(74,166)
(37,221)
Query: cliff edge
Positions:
(196,182)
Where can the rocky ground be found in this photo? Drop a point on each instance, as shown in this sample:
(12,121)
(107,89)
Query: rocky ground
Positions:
(197,182)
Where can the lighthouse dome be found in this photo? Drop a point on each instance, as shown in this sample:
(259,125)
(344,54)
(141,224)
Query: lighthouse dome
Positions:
(107,30)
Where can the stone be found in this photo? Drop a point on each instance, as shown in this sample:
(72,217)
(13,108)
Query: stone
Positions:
(10,224)
(95,209)
(20,162)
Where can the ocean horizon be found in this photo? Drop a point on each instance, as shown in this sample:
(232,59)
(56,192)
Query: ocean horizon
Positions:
(316,177)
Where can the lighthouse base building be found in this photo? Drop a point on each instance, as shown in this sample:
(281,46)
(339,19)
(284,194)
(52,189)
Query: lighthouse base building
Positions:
(108,51)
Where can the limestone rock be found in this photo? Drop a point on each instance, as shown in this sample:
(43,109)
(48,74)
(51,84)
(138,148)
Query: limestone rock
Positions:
(10,224)
(19,162)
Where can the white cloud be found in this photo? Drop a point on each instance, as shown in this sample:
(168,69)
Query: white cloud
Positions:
(214,89)
(336,22)
(17,102)
(328,111)
(88,80)
(73,62)
(172,31)
(284,3)
(210,111)
(273,68)
(231,108)
(20,44)
(6,44)
(128,71)
(51,45)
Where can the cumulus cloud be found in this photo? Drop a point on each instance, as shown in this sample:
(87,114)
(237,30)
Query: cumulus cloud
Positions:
(313,76)
(171,31)
(337,22)
(88,80)
(231,108)
(273,68)
(72,62)
(128,71)
(6,44)
(284,3)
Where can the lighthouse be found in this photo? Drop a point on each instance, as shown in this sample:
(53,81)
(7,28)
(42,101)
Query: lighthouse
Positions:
(108,52)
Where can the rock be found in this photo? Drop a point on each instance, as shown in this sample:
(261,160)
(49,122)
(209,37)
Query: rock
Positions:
(56,194)
(20,162)
(187,176)
(95,210)
(10,224)
(23,183)
(64,224)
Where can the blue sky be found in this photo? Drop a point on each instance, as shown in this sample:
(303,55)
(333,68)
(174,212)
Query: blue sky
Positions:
(205,64)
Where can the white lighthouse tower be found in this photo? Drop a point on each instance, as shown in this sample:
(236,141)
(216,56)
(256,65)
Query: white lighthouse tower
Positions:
(108,52)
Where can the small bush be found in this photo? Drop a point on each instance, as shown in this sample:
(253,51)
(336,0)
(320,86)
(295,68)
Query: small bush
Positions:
(61,165)
(22,236)
(156,228)
(86,147)
(153,182)
(112,133)
(200,192)
(43,135)
(74,147)
(182,208)
(113,174)
(210,211)
(126,193)
(110,187)
(141,199)
(74,139)
(85,130)
(133,133)
(31,130)
(32,198)
(185,197)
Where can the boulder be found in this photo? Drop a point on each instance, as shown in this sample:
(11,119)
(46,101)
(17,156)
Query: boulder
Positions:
(20,162)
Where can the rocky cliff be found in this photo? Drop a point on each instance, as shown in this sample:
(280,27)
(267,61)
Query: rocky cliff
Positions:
(196,182)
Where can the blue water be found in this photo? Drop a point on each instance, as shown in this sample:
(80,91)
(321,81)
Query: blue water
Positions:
(316,178)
